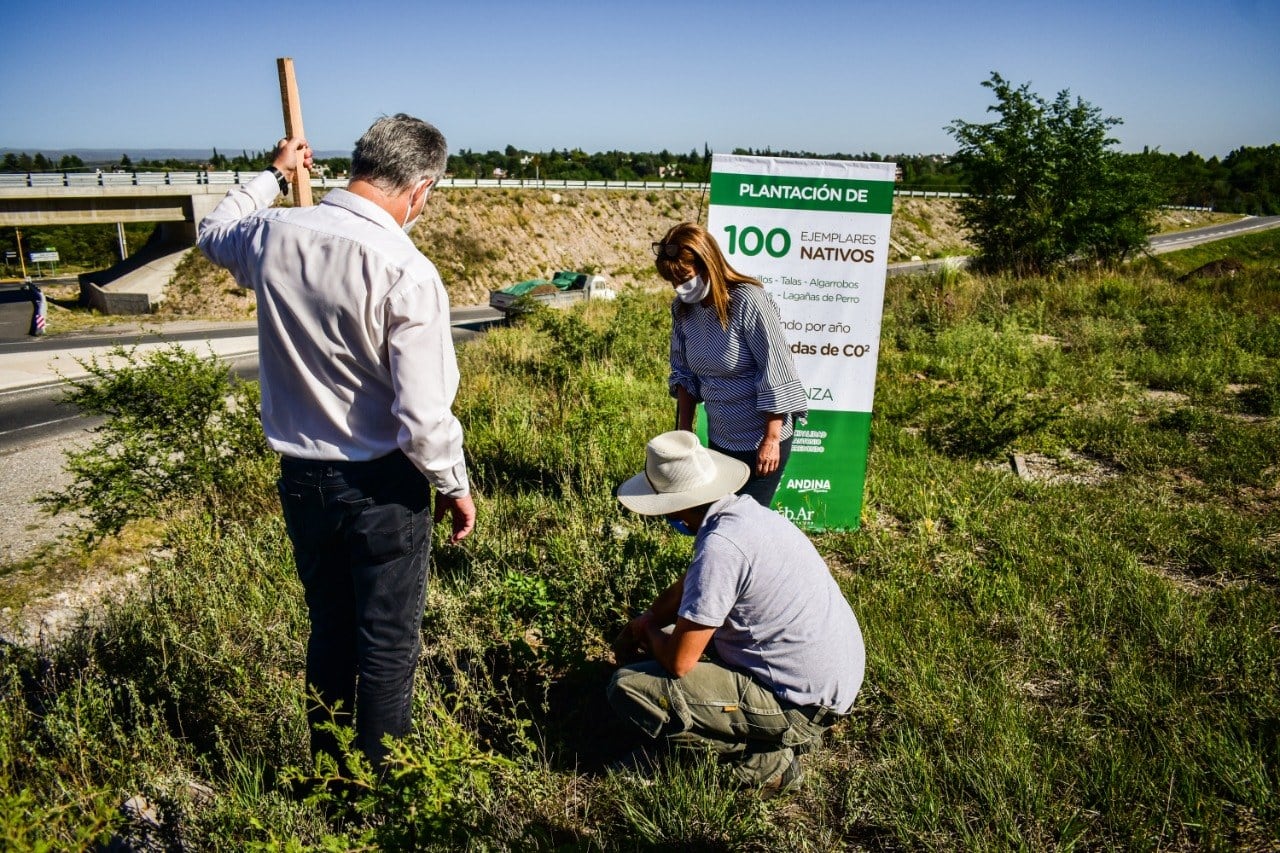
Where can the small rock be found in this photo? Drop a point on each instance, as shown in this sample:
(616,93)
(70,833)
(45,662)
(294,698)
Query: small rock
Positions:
(141,810)
(1019,466)
(142,834)
(200,793)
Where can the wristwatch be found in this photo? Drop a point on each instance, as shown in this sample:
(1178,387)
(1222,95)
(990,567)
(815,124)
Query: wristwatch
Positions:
(280,179)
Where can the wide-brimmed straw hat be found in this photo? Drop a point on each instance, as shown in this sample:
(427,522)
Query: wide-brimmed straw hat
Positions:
(680,473)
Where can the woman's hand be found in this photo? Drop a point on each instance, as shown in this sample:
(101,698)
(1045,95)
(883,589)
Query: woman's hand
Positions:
(769,451)
(767,456)
(686,408)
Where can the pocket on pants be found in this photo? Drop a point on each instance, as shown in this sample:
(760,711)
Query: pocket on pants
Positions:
(378,533)
(802,731)
(293,508)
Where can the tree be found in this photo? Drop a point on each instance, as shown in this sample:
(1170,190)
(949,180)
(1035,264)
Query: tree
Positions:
(1046,186)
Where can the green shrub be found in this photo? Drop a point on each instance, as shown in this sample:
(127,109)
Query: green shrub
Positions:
(433,792)
(177,426)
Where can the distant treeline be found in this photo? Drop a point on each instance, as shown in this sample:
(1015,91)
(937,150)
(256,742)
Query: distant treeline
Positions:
(929,170)
(1245,181)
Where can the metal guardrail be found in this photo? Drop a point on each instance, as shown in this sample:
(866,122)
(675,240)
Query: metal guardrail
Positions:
(232,178)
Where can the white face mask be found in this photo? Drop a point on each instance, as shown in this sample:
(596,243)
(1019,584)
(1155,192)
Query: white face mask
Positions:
(694,290)
(408,223)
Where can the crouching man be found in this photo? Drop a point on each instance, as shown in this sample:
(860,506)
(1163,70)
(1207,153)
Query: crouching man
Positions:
(786,658)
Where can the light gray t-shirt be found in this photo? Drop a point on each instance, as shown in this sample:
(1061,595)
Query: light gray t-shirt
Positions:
(778,613)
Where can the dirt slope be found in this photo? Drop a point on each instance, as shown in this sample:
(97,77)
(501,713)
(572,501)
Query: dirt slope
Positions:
(488,238)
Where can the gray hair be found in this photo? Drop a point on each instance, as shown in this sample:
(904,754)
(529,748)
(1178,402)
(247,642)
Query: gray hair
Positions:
(399,151)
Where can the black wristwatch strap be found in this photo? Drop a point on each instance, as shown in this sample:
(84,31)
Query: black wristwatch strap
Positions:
(280,179)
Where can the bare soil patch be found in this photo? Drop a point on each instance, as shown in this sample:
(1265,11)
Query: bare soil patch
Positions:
(1065,467)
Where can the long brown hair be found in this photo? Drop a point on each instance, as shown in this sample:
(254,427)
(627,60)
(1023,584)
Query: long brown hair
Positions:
(700,253)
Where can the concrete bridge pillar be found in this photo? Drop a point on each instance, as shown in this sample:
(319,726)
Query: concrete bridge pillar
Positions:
(200,207)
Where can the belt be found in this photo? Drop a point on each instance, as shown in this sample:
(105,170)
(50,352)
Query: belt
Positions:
(391,460)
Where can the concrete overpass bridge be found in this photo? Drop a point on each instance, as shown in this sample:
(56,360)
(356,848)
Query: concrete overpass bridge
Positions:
(73,198)
(116,197)
(175,201)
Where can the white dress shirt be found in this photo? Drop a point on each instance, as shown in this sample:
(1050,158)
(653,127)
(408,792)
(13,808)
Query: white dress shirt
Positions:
(355,350)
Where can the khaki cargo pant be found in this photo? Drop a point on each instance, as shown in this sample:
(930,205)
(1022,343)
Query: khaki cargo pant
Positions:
(716,707)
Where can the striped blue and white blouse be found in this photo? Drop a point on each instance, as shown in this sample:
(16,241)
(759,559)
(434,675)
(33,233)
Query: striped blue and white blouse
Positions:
(742,373)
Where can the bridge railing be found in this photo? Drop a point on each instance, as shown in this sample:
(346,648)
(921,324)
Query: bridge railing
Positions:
(232,178)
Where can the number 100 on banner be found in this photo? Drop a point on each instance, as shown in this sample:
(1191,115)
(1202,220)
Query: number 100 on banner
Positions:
(816,235)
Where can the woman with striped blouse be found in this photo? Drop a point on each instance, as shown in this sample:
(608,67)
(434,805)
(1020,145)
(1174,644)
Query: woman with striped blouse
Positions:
(728,352)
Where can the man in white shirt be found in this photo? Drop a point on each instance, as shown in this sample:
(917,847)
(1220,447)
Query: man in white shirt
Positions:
(358,378)
(786,655)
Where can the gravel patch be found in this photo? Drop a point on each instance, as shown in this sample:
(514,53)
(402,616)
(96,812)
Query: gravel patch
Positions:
(27,473)
(25,529)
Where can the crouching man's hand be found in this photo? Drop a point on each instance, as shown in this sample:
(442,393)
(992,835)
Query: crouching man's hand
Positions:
(632,643)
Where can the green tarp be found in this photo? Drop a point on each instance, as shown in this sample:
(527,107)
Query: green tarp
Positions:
(560,281)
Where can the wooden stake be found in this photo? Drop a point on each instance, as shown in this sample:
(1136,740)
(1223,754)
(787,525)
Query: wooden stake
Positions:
(293,127)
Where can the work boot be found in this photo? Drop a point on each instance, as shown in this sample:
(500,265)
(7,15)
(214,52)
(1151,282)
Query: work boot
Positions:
(785,782)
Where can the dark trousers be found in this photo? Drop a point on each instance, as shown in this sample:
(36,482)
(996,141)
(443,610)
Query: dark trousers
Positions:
(361,534)
(760,488)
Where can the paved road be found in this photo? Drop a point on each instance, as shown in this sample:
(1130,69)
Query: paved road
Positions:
(1194,237)
(15,303)
(33,370)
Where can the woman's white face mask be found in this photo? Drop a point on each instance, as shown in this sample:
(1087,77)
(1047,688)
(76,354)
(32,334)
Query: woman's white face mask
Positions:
(694,290)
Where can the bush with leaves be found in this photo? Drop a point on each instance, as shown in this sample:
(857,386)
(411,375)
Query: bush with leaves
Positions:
(1045,185)
(177,426)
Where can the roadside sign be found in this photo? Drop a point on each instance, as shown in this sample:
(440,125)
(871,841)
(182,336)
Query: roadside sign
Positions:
(48,256)
(816,235)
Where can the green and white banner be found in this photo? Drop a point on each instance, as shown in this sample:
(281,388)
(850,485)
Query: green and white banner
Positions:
(816,234)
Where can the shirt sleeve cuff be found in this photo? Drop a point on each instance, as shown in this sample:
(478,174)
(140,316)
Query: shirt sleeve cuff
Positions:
(455,483)
(263,188)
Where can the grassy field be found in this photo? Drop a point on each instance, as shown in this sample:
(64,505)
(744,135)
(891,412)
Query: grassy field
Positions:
(1081,657)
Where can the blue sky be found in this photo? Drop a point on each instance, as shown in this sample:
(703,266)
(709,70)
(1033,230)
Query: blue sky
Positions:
(824,76)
